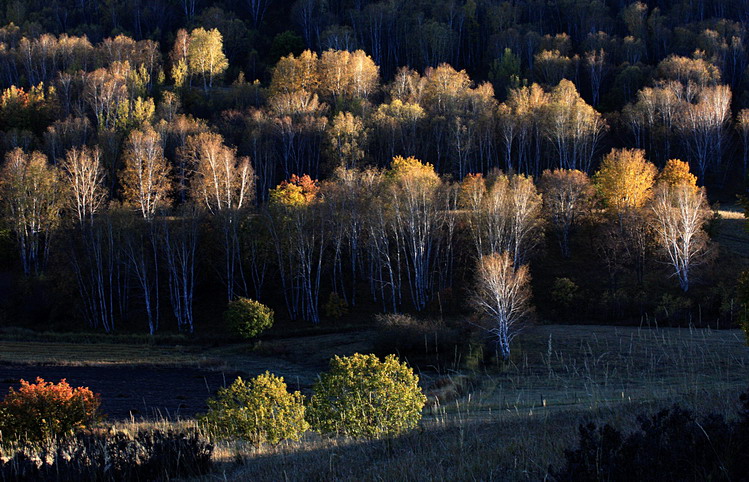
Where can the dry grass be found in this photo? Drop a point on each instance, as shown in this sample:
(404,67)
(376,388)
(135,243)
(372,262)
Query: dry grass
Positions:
(733,233)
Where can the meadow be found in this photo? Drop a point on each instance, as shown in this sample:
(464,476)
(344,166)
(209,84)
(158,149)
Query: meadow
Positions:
(485,419)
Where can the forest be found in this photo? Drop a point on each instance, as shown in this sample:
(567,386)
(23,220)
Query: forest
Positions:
(450,181)
(344,166)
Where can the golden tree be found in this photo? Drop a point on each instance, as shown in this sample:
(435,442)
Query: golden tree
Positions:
(625,180)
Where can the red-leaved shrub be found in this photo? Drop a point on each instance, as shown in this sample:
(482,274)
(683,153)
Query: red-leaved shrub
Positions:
(43,410)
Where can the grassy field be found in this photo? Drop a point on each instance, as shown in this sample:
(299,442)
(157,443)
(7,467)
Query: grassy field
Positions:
(73,354)
(484,420)
(512,421)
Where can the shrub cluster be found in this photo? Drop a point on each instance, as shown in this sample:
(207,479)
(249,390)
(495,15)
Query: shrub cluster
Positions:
(261,410)
(672,445)
(146,455)
(362,396)
(45,410)
(248,318)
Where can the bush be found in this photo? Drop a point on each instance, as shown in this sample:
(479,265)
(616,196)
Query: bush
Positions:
(564,292)
(335,307)
(671,445)
(248,318)
(362,396)
(261,410)
(147,455)
(44,410)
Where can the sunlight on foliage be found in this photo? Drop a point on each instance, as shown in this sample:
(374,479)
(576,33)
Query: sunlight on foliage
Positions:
(362,396)
(260,410)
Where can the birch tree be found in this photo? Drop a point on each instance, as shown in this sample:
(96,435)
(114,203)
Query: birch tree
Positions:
(502,294)
(681,210)
(567,195)
(32,198)
(224,185)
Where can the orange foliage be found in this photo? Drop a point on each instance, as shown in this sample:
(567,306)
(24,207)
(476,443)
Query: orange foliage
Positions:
(297,191)
(43,410)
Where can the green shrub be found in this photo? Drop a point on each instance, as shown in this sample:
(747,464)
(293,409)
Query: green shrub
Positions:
(564,292)
(261,410)
(335,307)
(45,410)
(248,318)
(362,396)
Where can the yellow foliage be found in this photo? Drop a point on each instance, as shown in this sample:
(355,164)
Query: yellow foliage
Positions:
(403,168)
(362,396)
(625,180)
(260,411)
(677,172)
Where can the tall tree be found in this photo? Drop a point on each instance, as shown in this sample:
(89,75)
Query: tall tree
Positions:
(680,214)
(146,176)
(84,175)
(32,197)
(567,195)
(224,185)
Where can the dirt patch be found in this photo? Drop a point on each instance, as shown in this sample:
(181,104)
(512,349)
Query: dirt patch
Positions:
(149,393)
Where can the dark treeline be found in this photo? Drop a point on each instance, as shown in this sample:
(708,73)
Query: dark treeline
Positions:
(157,151)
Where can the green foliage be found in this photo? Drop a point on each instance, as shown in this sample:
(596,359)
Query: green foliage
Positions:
(336,306)
(45,410)
(248,318)
(362,396)
(261,411)
(564,292)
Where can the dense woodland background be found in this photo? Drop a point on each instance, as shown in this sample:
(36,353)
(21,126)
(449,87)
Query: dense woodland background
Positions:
(164,157)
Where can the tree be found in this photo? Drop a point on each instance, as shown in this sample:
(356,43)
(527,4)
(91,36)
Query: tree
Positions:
(300,237)
(32,198)
(346,139)
(361,396)
(145,178)
(573,127)
(675,173)
(625,183)
(84,176)
(224,185)
(503,295)
(420,209)
(703,126)
(179,243)
(625,180)
(680,214)
(742,125)
(567,195)
(504,216)
(205,55)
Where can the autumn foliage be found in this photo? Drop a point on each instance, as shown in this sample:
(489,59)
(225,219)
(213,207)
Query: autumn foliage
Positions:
(43,410)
